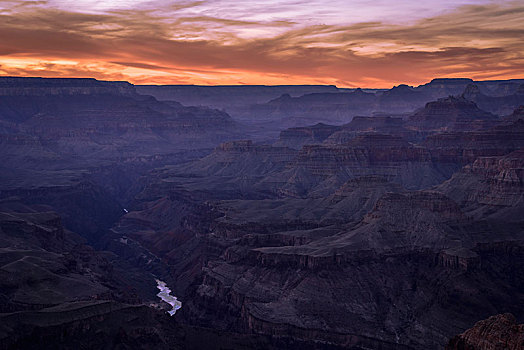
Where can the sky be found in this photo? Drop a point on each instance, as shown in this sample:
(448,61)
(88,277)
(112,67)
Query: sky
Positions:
(348,43)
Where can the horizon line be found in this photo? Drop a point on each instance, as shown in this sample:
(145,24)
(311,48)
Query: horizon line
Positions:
(260,85)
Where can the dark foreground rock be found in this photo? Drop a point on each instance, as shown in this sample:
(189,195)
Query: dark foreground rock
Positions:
(497,332)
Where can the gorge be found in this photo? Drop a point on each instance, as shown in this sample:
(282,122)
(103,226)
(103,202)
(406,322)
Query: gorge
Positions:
(285,217)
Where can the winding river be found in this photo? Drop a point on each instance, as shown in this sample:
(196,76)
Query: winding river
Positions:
(165,295)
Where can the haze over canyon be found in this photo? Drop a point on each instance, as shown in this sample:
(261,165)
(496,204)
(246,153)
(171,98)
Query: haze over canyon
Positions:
(277,216)
(291,174)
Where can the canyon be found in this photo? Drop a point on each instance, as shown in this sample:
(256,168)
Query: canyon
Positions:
(285,217)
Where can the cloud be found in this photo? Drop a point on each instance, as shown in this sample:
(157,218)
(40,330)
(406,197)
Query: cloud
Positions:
(172,45)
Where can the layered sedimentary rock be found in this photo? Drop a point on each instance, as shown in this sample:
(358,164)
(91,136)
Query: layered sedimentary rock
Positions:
(297,137)
(301,216)
(331,245)
(380,272)
(466,147)
(490,187)
(378,124)
(412,220)
(516,115)
(452,113)
(496,332)
(400,99)
(44,265)
(85,207)
(374,154)
(242,158)
(312,108)
(228,97)
(105,119)
(500,105)
(16,86)
(442,87)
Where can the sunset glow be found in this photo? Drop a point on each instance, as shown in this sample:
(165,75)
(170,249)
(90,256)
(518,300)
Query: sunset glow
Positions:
(348,43)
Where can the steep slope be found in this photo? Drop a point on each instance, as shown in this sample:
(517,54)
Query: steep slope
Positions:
(231,98)
(298,137)
(85,117)
(517,114)
(499,105)
(378,233)
(374,154)
(330,108)
(466,147)
(491,187)
(413,257)
(497,332)
(378,124)
(451,113)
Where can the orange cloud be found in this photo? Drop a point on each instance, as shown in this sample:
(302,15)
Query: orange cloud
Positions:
(146,46)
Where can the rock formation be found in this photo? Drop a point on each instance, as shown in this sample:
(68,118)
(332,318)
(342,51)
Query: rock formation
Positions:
(386,219)
(497,332)
(451,114)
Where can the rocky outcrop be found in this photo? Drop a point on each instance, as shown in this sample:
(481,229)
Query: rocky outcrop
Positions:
(304,294)
(452,113)
(85,207)
(459,259)
(16,86)
(497,332)
(329,108)
(374,124)
(44,265)
(297,137)
(518,114)
(241,159)
(491,187)
(91,118)
(231,98)
(378,124)
(500,105)
(365,150)
(322,247)
(466,147)
(374,154)
(441,87)
(412,220)
(401,99)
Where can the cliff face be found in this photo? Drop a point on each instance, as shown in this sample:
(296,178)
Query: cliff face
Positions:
(317,170)
(334,297)
(242,160)
(377,124)
(228,97)
(378,233)
(412,220)
(329,108)
(85,207)
(92,118)
(451,113)
(44,265)
(441,87)
(497,332)
(15,86)
(374,154)
(490,187)
(500,105)
(297,137)
(401,99)
(518,114)
(462,147)
(306,268)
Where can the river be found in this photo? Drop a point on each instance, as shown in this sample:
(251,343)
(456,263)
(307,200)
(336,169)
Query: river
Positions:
(165,295)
